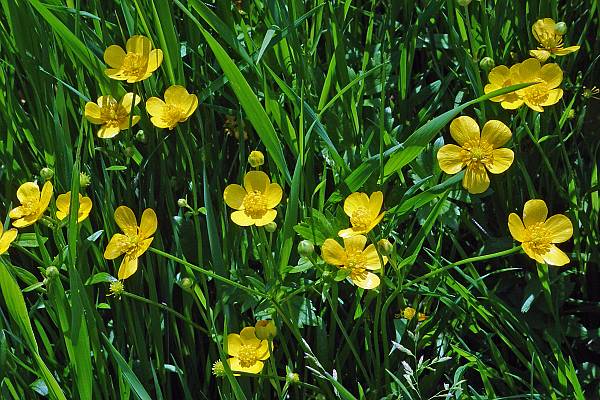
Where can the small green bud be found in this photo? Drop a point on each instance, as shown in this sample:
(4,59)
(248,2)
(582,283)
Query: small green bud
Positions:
(463,3)
(182,203)
(306,248)
(265,329)
(52,272)
(256,159)
(292,378)
(47,173)
(385,247)
(187,283)
(270,227)
(487,63)
(140,136)
(560,28)
(571,114)
(84,180)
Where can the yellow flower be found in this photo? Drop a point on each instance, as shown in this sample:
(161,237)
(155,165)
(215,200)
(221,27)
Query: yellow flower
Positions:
(546,92)
(134,242)
(137,64)
(247,351)
(255,201)
(550,39)
(409,313)
(477,152)
(6,238)
(538,234)
(356,261)
(112,115)
(363,212)
(63,204)
(33,203)
(501,77)
(177,107)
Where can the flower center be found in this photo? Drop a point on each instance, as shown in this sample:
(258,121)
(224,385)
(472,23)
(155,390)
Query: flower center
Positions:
(113,113)
(29,207)
(538,238)
(247,356)
(551,40)
(360,219)
(172,115)
(255,204)
(132,245)
(536,94)
(478,152)
(134,64)
(356,265)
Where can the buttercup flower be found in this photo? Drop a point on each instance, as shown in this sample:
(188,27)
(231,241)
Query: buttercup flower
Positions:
(355,260)
(177,107)
(63,204)
(501,77)
(538,234)
(550,39)
(409,313)
(247,351)
(134,242)
(113,115)
(255,201)
(546,92)
(33,204)
(363,212)
(6,238)
(477,152)
(137,64)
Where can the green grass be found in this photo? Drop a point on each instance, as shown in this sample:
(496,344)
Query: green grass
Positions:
(340,96)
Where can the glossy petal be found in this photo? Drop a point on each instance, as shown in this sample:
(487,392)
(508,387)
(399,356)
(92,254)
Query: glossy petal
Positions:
(25,221)
(263,350)
(45,197)
(93,113)
(128,267)
(375,221)
(126,220)
(143,246)
(450,158)
(534,107)
(159,122)
(532,253)
(256,180)
(85,206)
(274,195)
(234,196)
(234,364)
(128,100)
(114,55)
(125,124)
(512,103)
(155,58)
(248,336)
(566,50)
(464,129)
(148,223)
(540,54)
(176,95)
(555,256)
(370,281)
(240,218)
(529,70)
(489,88)
(498,75)
(349,232)
(354,201)
(28,192)
(139,44)
(496,133)
(502,160)
(265,219)
(476,180)
(6,238)
(375,204)
(516,227)
(16,212)
(372,258)
(552,75)
(355,243)
(191,105)
(534,211)
(333,253)
(559,227)
(554,96)
(63,203)
(107,132)
(115,246)
(234,343)
(155,106)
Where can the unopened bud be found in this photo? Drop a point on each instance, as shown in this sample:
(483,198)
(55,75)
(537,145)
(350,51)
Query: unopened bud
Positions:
(560,28)
(140,136)
(292,378)
(47,173)
(463,3)
(182,203)
(256,159)
(306,248)
(52,272)
(265,329)
(270,227)
(385,247)
(487,63)
(187,283)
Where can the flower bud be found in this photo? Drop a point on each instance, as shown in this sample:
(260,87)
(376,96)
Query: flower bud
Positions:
(487,63)
(306,248)
(463,3)
(560,28)
(256,159)
(385,247)
(187,283)
(182,203)
(292,378)
(270,227)
(140,136)
(84,180)
(47,173)
(52,272)
(265,329)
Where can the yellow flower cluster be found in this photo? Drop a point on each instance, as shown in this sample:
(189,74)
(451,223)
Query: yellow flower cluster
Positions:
(135,64)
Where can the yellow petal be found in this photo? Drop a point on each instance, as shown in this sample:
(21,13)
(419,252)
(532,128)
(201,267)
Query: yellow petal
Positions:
(128,101)
(555,256)
(6,238)
(552,75)
(516,227)
(191,105)
(476,180)
(63,202)
(114,55)
(16,212)
(534,107)
(554,96)
(159,122)
(373,223)
(498,75)
(369,281)
(541,55)
(176,95)
(127,123)
(464,129)
(115,246)
(125,219)
(241,218)
(93,113)
(115,74)
(511,103)
(148,223)
(529,70)
(256,180)
(274,195)
(155,58)
(354,201)
(155,106)
(234,196)
(496,133)
(532,253)
(333,253)
(107,132)
(143,246)
(372,261)
(139,44)
(559,228)
(25,221)
(349,232)
(375,204)
(45,197)
(450,158)
(263,350)
(234,343)
(566,50)
(248,336)
(265,219)
(490,87)
(128,267)
(28,192)
(534,211)
(355,243)
(502,160)
(85,206)
(234,364)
